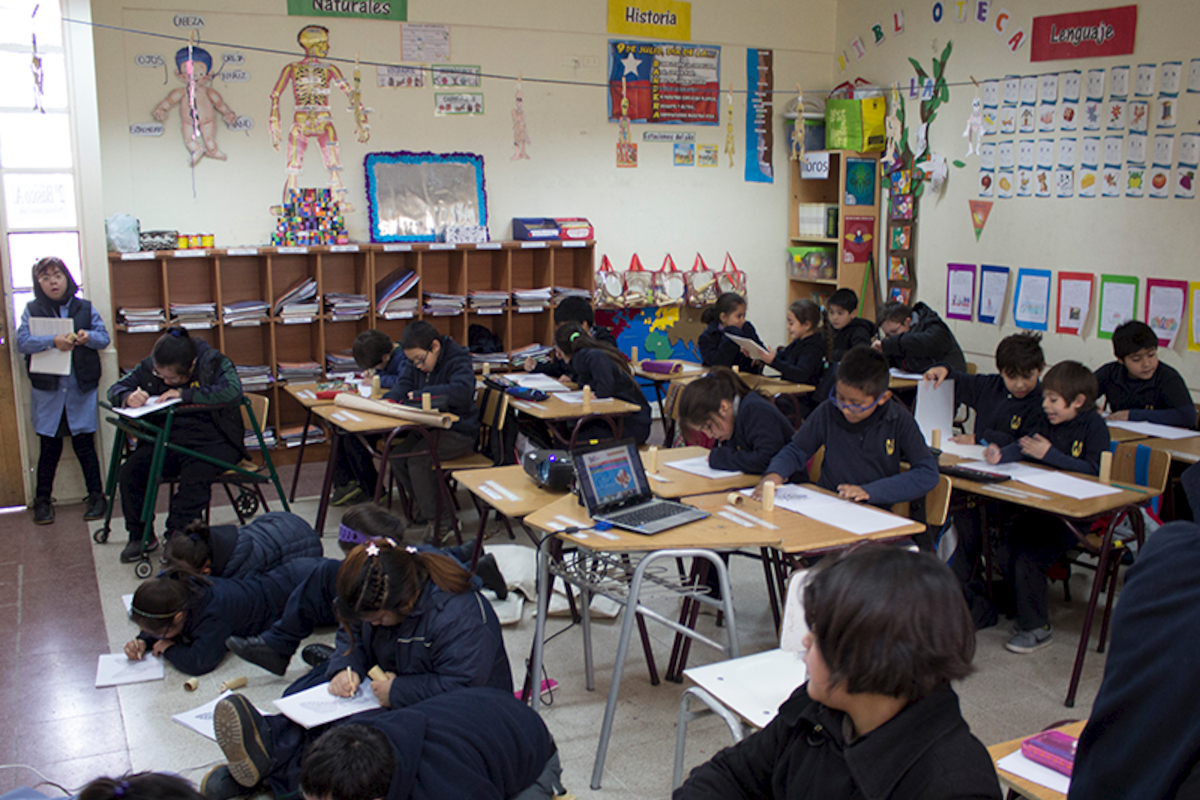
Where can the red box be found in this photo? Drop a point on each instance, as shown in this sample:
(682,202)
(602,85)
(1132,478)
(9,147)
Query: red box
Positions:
(574,228)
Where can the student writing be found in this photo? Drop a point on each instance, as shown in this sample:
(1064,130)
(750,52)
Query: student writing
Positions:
(378,356)
(1138,387)
(915,339)
(229,551)
(607,370)
(727,315)
(571,309)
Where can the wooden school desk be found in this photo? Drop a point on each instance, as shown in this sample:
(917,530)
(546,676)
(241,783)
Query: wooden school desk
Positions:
(1186,451)
(675,483)
(556,411)
(306,395)
(616,564)
(508,491)
(1026,788)
(1124,435)
(658,380)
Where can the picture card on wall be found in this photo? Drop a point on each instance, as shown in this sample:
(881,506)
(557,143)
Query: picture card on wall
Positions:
(1194,317)
(1095,84)
(1185,181)
(1194,78)
(1074,300)
(1091,114)
(1087,182)
(1135,181)
(1008,119)
(1110,182)
(1169,77)
(1118,302)
(1031,303)
(1118,82)
(901,237)
(960,291)
(860,239)
(1167,110)
(1115,116)
(1005,183)
(1029,88)
(1027,119)
(993,287)
(860,181)
(1012,90)
(1071,85)
(1144,82)
(1139,116)
(1069,114)
(1166,301)
(1158,179)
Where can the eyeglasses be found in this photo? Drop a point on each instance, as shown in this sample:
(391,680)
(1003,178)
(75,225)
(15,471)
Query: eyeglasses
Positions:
(173,378)
(851,407)
(419,362)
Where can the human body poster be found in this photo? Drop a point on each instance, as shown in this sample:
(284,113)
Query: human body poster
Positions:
(666,82)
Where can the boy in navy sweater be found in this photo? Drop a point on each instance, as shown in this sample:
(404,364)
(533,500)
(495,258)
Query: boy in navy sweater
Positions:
(376,354)
(916,339)
(571,309)
(865,439)
(1071,436)
(1137,387)
(1006,405)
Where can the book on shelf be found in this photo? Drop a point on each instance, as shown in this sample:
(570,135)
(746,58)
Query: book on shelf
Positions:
(291,435)
(254,377)
(401,308)
(298,370)
(303,291)
(488,300)
(532,299)
(250,441)
(345,307)
(396,283)
(563,292)
(142,320)
(439,304)
(246,312)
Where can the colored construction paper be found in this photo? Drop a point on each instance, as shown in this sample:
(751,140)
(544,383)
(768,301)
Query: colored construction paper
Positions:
(1166,301)
(1074,300)
(980,209)
(960,291)
(1031,303)
(993,286)
(1118,302)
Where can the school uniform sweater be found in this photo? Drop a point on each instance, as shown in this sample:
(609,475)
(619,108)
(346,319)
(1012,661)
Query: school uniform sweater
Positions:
(718,350)
(1164,398)
(925,752)
(268,541)
(226,607)
(1000,417)
(557,368)
(760,430)
(594,368)
(1075,445)
(452,377)
(865,454)
(928,343)
(803,360)
(390,374)
(857,331)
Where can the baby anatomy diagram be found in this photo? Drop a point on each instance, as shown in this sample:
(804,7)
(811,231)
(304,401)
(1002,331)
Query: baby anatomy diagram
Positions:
(198,103)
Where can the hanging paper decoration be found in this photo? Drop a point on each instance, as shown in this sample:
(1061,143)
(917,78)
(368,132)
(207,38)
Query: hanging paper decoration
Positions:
(199,104)
(520,131)
(626,150)
(36,68)
(974,126)
(980,209)
(798,135)
(311,79)
(729,139)
(894,129)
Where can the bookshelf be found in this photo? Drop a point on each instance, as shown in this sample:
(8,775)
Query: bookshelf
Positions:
(225,276)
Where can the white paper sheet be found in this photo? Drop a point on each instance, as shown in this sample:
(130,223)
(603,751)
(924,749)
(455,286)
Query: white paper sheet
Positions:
(536,380)
(699,466)
(907,376)
(316,706)
(935,410)
(52,361)
(1153,429)
(127,601)
(114,669)
(1069,485)
(974,451)
(577,397)
(993,288)
(152,405)
(1117,305)
(856,518)
(1014,469)
(200,719)
(749,345)
(1022,767)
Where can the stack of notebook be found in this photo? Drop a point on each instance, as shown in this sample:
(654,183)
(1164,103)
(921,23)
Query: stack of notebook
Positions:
(246,312)
(300,371)
(438,304)
(488,302)
(391,289)
(343,307)
(194,316)
(142,320)
(254,377)
(299,303)
(531,300)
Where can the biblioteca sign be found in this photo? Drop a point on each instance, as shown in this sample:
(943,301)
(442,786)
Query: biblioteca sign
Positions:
(1084,34)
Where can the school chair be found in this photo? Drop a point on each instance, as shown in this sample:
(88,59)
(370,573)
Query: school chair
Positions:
(748,690)
(252,476)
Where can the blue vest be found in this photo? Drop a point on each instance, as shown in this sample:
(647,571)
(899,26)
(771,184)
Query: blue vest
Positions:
(84,360)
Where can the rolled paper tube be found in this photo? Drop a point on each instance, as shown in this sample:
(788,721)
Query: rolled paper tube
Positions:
(736,368)
(191,684)
(487,368)
(663,367)
(633,354)
(376,674)
(426,402)
(1106,467)
(234,683)
(768,500)
(587,399)
(376,389)
(736,499)
(936,438)
(652,459)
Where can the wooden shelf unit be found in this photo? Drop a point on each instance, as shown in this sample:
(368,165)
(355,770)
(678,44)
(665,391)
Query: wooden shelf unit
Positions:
(832,191)
(264,273)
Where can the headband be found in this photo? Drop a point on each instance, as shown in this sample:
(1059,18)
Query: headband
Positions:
(350,536)
(135,610)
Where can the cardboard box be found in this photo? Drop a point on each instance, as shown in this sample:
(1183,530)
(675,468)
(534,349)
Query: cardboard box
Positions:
(552,228)
(574,228)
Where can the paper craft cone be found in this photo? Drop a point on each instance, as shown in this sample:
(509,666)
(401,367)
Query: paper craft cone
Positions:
(979,215)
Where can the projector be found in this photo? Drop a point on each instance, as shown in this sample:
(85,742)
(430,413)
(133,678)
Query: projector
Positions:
(550,469)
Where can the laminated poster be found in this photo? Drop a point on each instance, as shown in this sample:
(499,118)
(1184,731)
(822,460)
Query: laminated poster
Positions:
(666,82)
(1031,306)
(1074,300)
(1194,317)
(1166,301)
(1118,302)
(993,287)
(860,239)
(960,291)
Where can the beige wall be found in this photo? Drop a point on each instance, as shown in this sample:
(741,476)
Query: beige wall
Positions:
(1143,237)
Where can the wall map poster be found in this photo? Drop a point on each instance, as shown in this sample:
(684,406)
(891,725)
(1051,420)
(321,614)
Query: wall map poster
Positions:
(665,82)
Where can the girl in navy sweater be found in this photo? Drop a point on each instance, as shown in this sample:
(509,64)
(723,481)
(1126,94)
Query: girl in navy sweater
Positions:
(803,360)
(727,315)
(607,371)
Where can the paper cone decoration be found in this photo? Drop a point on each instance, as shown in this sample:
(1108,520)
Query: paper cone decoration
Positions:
(979,215)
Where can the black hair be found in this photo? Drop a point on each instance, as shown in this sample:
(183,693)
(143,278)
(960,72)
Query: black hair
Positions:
(175,349)
(808,312)
(844,298)
(701,399)
(370,347)
(190,548)
(371,520)
(418,335)
(894,311)
(1020,354)
(889,621)
(348,762)
(1069,380)
(570,337)
(1129,337)
(727,303)
(159,599)
(141,786)
(575,309)
(44,265)
(182,56)
(866,369)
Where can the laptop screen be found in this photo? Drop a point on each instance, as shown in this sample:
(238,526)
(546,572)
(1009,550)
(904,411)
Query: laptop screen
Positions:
(611,474)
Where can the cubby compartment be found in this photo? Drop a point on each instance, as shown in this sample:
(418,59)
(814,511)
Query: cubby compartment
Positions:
(573,266)
(532,269)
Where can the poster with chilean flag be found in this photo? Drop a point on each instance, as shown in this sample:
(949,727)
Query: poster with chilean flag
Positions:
(665,82)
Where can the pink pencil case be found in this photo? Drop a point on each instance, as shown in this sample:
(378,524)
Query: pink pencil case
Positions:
(663,367)
(1053,749)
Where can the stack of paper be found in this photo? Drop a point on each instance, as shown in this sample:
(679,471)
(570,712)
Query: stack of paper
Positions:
(340,363)
(439,304)
(194,316)
(489,302)
(394,285)
(316,706)
(537,352)
(1154,429)
(142,320)
(300,300)
(534,380)
(254,377)
(291,435)
(116,670)
(532,300)
(563,292)
(298,370)
(250,441)
(495,359)
(857,518)
(343,307)
(401,308)
(246,312)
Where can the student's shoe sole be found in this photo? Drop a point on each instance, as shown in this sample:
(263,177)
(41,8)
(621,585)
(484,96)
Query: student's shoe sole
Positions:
(235,724)
(349,497)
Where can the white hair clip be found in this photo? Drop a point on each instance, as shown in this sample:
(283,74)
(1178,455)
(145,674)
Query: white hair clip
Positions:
(412,550)
(372,549)
(390,540)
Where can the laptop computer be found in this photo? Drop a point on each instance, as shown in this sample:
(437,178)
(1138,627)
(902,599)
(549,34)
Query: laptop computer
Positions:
(614,488)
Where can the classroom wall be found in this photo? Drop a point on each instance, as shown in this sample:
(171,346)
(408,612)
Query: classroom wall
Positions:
(652,210)
(1143,236)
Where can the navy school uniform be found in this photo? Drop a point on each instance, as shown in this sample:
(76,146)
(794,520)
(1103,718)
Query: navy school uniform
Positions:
(760,431)
(1164,398)
(865,454)
(928,343)
(1075,445)
(225,607)
(855,332)
(390,374)
(557,368)
(803,360)
(718,350)
(593,368)
(1000,418)
(268,541)
(452,377)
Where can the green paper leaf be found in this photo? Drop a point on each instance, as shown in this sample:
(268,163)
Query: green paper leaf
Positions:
(917,66)
(946,52)
(958,164)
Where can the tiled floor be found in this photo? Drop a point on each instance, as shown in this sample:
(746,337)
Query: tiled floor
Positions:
(60,607)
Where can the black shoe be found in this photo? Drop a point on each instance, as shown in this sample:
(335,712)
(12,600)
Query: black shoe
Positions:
(489,573)
(219,784)
(316,655)
(258,652)
(243,736)
(97,506)
(133,550)
(43,511)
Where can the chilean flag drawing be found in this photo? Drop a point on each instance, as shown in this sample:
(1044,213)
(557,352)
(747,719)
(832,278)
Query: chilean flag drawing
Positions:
(670,82)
